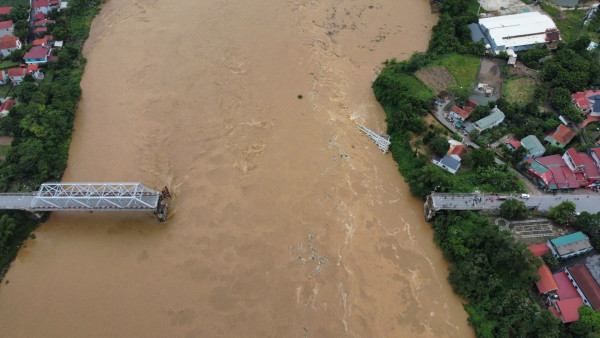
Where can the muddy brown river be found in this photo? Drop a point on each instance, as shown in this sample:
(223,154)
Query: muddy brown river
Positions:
(286,220)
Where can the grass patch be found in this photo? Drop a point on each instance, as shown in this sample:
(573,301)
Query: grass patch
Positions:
(9,64)
(464,68)
(4,90)
(4,150)
(569,22)
(416,87)
(519,90)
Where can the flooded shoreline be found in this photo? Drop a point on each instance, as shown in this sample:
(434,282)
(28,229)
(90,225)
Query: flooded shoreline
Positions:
(286,220)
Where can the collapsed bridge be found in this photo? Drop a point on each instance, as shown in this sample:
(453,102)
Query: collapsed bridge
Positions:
(88,196)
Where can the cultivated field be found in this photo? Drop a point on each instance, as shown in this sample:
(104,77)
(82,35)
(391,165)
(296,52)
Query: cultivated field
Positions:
(436,77)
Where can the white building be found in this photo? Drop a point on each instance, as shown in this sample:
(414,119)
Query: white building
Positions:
(519,31)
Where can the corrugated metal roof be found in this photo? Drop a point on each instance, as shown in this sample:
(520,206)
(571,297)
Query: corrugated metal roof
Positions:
(587,284)
(519,29)
(568,239)
(532,144)
(489,120)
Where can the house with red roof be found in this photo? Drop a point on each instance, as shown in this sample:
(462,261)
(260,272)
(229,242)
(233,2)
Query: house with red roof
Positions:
(565,302)
(35,72)
(546,282)
(512,143)
(40,16)
(45,41)
(571,171)
(457,152)
(16,75)
(42,22)
(5,10)
(40,30)
(539,249)
(586,285)
(567,310)
(458,114)
(37,55)
(41,6)
(587,102)
(6,106)
(6,28)
(595,153)
(8,44)
(561,137)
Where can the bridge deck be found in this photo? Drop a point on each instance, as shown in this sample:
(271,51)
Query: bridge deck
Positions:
(84,196)
(443,201)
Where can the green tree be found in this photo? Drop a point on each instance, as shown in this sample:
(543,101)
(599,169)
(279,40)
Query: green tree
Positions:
(25,91)
(439,145)
(18,13)
(7,228)
(518,155)
(561,98)
(513,209)
(562,212)
(550,260)
(587,222)
(482,157)
(461,95)
(588,324)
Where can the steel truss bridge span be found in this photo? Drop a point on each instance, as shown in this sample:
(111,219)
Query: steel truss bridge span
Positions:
(87,196)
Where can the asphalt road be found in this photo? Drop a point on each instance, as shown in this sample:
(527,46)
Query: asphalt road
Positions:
(589,203)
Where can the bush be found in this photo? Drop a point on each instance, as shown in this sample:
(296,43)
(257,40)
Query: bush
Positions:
(513,209)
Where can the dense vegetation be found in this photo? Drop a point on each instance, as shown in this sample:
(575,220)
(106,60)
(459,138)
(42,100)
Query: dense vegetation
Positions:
(489,268)
(494,273)
(42,122)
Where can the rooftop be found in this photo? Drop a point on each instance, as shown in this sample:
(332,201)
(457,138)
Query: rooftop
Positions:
(449,162)
(518,29)
(6,24)
(566,289)
(486,122)
(40,30)
(16,72)
(41,3)
(539,249)
(37,52)
(458,150)
(569,309)
(513,143)
(7,105)
(546,283)
(575,157)
(563,134)
(532,144)
(461,112)
(5,10)
(587,284)
(8,41)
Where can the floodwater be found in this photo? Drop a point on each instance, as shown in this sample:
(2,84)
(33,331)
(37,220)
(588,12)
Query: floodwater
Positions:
(286,221)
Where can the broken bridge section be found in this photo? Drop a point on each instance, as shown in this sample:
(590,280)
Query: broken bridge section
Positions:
(87,196)
(382,140)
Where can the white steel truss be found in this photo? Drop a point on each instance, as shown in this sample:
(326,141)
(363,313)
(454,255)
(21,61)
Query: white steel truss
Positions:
(382,141)
(95,196)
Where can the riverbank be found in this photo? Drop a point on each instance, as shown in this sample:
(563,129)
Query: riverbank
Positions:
(286,220)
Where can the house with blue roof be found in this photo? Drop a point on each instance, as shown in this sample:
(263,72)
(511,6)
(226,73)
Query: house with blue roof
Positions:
(447,163)
(570,245)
